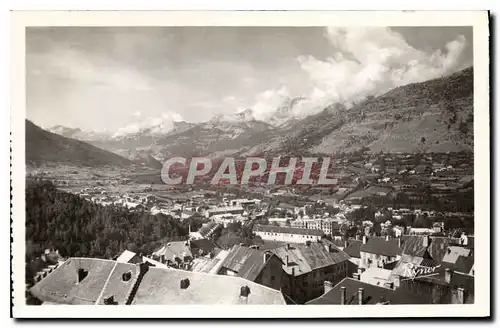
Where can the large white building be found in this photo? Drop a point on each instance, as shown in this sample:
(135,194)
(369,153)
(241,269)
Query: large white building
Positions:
(286,234)
(224,210)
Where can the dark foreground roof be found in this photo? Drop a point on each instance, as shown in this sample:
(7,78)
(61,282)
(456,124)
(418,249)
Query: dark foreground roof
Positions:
(103,279)
(371,295)
(121,283)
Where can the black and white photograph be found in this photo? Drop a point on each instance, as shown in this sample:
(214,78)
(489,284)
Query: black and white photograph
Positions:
(258,163)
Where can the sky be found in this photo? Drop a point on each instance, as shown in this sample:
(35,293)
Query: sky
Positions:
(128,78)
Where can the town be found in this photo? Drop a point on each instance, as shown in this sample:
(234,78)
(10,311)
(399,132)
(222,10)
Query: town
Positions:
(394,229)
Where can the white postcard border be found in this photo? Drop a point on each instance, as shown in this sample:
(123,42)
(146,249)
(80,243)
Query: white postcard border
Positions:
(477,19)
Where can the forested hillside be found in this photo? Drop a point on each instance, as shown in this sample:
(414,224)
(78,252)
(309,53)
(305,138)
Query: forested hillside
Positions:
(77,227)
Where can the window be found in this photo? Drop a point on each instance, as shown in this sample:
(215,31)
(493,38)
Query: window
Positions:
(82,273)
(126,276)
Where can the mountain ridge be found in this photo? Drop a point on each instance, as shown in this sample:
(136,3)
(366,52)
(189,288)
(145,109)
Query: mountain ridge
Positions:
(434,115)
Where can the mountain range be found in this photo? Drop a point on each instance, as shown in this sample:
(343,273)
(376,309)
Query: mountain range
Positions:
(431,116)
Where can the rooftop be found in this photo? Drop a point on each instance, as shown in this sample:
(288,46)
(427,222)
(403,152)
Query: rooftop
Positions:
(381,246)
(371,295)
(173,249)
(63,286)
(288,230)
(247,262)
(163,287)
(303,258)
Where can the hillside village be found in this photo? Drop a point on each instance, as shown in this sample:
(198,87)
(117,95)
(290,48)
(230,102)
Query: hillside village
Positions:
(397,229)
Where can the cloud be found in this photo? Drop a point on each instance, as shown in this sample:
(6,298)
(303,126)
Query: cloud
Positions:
(157,125)
(371,61)
(88,69)
(367,61)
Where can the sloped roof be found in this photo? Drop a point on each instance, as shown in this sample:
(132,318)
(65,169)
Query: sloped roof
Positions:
(464,264)
(247,262)
(61,286)
(413,246)
(373,275)
(288,230)
(125,256)
(205,229)
(163,287)
(378,245)
(174,249)
(303,259)
(437,248)
(205,244)
(116,286)
(454,252)
(371,295)
(207,265)
(353,248)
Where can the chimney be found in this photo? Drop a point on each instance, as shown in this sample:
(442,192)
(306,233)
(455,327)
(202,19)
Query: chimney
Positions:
(461,295)
(360,296)
(447,275)
(308,243)
(328,286)
(343,298)
(267,256)
(162,258)
(287,259)
(288,246)
(185,283)
(356,276)
(397,280)
(387,238)
(364,239)
(464,240)
(426,241)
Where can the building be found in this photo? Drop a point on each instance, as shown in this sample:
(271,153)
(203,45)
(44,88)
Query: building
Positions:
(87,281)
(306,266)
(264,268)
(176,287)
(379,252)
(236,210)
(328,226)
(206,231)
(351,291)
(174,254)
(287,234)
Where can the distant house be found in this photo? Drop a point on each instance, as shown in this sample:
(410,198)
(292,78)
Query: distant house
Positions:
(224,210)
(286,234)
(175,253)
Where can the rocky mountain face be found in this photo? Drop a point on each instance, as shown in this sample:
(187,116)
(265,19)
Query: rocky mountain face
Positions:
(431,116)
